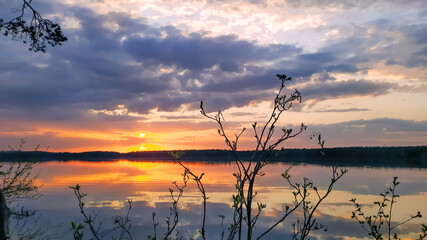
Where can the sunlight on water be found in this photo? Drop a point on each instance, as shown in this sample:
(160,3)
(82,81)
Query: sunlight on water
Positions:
(110,184)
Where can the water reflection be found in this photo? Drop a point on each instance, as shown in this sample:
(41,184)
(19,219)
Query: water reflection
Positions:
(110,184)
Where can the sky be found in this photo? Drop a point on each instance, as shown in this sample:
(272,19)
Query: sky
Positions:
(132,73)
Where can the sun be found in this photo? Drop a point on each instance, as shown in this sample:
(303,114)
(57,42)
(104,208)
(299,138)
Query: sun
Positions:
(141,135)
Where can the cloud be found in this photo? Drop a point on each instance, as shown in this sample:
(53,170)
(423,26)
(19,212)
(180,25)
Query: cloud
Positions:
(343,89)
(345,110)
(417,55)
(257,79)
(323,76)
(215,101)
(374,132)
(382,40)
(114,59)
(197,52)
(101,67)
(340,4)
(244,114)
(388,124)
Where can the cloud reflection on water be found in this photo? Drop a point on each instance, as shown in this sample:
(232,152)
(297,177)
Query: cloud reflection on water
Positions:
(110,184)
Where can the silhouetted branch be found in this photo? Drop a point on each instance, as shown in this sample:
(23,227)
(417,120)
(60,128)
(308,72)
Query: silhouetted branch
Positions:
(373,223)
(198,180)
(173,218)
(87,218)
(124,223)
(39,32)
(246,174)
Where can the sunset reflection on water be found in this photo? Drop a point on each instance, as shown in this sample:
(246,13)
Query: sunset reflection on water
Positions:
(110,184)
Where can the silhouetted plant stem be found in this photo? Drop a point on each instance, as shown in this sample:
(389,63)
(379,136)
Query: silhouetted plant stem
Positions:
(373,223)
(124,223)
(309,222)
(288,210)
(222,226)
(155,224)
(246,174)
(198,180)
(87,218)
(174,209)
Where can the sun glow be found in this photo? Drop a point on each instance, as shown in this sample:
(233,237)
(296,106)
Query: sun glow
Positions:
(141,135)
(144,147)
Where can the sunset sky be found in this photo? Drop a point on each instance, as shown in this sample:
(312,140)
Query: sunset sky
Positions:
(133,73)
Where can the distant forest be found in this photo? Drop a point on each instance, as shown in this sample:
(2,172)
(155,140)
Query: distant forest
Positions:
(348,156)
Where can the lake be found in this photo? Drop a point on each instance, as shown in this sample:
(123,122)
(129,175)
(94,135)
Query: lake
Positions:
(111,184)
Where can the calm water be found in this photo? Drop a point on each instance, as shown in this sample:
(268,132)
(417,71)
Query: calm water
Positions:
(110,184)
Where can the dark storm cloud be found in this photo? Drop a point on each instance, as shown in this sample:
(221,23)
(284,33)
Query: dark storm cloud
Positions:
(372,132)
(163,102)
(214,101)
(197,52)
(323,76)
(391,125)
(261,79)
(368,132)
(222,102)
(347,88)
(305,65)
